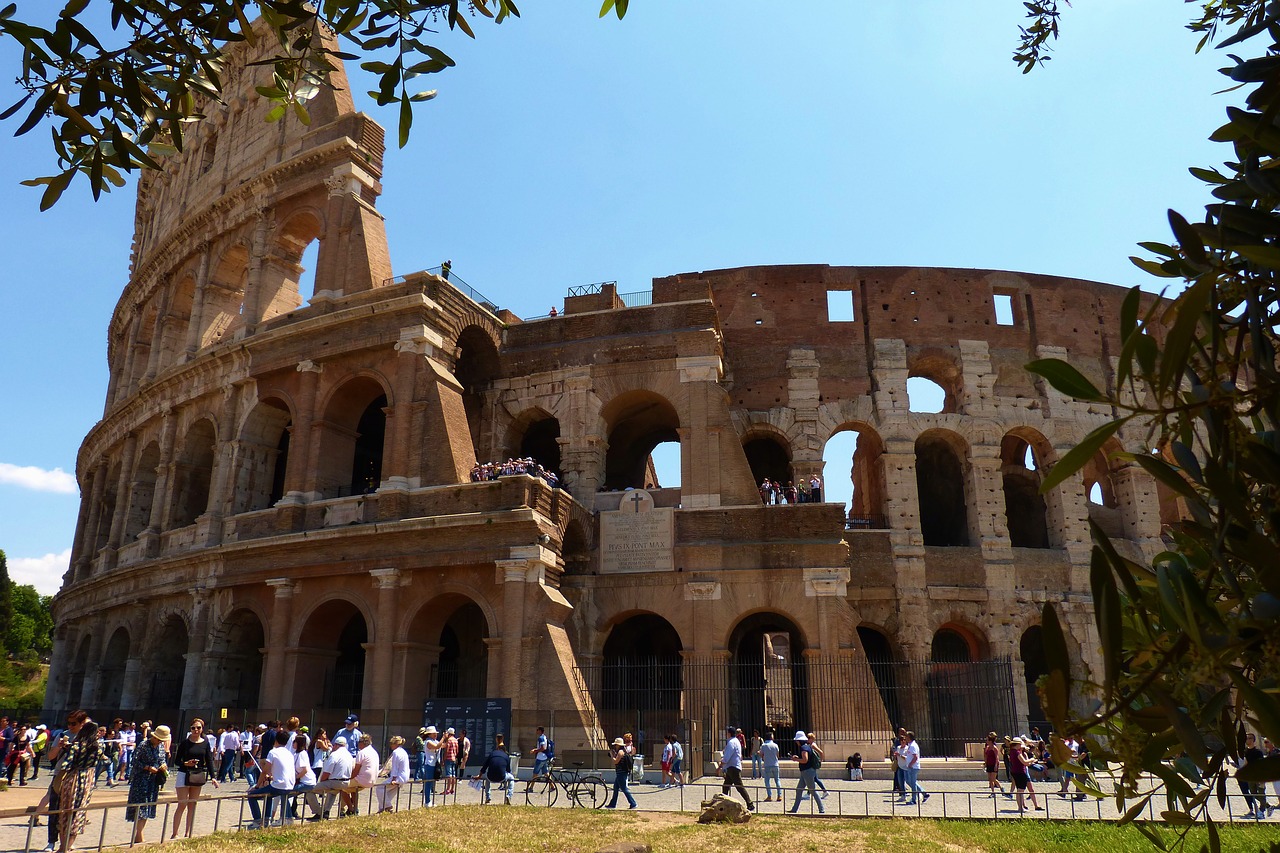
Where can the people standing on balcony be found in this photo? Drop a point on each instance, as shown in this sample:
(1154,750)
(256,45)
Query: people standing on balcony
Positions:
(815,489)
(445,269)
(792,494)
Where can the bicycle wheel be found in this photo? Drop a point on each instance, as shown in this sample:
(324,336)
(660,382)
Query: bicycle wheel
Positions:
(594,793)
(540,792)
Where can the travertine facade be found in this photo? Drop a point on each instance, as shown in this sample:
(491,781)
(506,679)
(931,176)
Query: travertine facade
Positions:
(277,509)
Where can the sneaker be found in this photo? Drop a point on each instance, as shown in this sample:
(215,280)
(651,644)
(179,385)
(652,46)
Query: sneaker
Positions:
(1248,816)
(824,795)
(768,799)
(926,799)
(751,807)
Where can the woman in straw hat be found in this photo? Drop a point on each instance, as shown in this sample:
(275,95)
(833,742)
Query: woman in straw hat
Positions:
(147,774)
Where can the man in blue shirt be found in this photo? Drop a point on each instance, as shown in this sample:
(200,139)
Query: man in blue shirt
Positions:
(731,764)
(351,733)
(541,754)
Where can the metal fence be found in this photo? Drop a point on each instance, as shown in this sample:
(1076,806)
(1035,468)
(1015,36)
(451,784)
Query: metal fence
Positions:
(637,298)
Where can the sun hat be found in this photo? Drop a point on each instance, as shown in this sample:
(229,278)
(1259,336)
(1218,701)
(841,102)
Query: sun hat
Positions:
(163,734)
(800,736)
(450,731)
(618,742)
(339,740)
(431,730)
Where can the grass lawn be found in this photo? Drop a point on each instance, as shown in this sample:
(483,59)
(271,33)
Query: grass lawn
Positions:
(498,829)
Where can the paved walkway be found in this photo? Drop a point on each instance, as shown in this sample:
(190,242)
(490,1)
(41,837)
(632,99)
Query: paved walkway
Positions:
(225,809)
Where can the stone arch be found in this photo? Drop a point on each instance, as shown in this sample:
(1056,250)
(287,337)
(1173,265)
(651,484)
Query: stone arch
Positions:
(641,674)
(182,300)
(220,313)
(193,473)
(866,473)
(450,634)
(942,369)
(1110,474)
(942,475)
(636,422)
(882,657)
(142,494)
(262,455)
(768,682)
(281,270)
(960,684)
(164,667)
(149,318)
(958,641)
(476,366)
(768,453)
(1025,455)
(79,669)
(535,434)
(575,549)
(106,508)
(111,671)
(353,436)
(1031,653)
(330,663)
(235,657)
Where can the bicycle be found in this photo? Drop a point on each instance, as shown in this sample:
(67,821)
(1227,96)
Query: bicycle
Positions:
(588,791)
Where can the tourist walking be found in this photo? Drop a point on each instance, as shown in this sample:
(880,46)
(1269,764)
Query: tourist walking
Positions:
(1019,762)
(148,770)
(677,761)
(75,778)
(809,764)
(1255,793)
(622,763)
(731,766)
(772,767)
(991,762)
(757,762)
(822,756)
(193,760)
(229,745)
(541,753)
(912,769)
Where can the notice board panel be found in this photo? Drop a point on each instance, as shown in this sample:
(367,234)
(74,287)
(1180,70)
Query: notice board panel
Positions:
(481,719)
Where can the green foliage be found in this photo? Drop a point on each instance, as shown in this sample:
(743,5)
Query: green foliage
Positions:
(1191,642)
(26,631)
(117,100)
(6,597)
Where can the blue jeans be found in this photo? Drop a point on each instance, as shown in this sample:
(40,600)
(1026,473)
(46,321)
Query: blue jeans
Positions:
(274,794)
(540,766)
(620,784)
(429,786)
(300,788)
(251,774)
(807,779)
(757,766)
(773,774)
(912,774)
(228,765)
(509,783)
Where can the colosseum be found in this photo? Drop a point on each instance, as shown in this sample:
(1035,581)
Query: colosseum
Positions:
(279,509)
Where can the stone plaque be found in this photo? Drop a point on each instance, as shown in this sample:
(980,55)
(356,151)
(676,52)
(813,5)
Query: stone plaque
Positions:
(638,537)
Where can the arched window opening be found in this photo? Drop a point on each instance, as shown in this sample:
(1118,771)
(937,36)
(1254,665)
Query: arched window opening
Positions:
(288,270)
(1101,478)
(194,474)
(220,313)
(540,443)
(366,466)
(951,646)
(178,321)
(1024,506)
(641,676)
(463,671)
(940,482)
(638,422)
(106,509)
(346,690)
(263,456)
(575,550)
(1096,496)
(663,468)
(142,344)
(111,673)
(75,678)
(476,367)
(767,678)
(1031,652)
(168,665)
(879,652)
(331,659)
(769,460)
(237,653)
(968,694)
(925,396)
(862,489)
(142,495)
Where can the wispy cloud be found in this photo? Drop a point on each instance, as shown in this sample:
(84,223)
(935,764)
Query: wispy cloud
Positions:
(38,479)
(44,573)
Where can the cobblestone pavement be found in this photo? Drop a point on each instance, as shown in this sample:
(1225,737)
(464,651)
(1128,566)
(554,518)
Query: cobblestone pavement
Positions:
(225,809)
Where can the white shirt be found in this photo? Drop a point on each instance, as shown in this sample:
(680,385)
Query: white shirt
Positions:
(912,755)
(230,740)
(283,777)
(399,765)
(369,763)
(246,741)
(130,738)
(432,751)
(302,769)
(732,753)
(338,765)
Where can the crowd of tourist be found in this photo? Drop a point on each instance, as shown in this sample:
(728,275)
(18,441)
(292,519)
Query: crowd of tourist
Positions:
(773,492)
(528,465)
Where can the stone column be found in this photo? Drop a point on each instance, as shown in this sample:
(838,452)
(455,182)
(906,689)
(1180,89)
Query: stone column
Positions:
(157,332)
(124,491)
(512,574)
(221,483)
(387,581)
(89,693)
(889,370)
(1139,503)
(164,483)
(131,354)
(197,303)
(93,519)
(987,514)
(254,299)
(132,681)
(582,449)
(278,628)
(192,684)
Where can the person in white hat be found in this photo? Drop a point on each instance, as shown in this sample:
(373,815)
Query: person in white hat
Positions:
(809,763)
(621,773)
(432,764)
(335,776)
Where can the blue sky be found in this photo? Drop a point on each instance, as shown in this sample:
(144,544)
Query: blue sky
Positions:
(565,150)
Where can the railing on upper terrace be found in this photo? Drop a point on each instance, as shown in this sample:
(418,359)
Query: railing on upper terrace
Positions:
(637,298)
(589,289)
(456,282)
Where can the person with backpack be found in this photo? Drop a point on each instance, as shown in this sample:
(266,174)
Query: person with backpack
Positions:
(622,764)
(541,754)
(677,762)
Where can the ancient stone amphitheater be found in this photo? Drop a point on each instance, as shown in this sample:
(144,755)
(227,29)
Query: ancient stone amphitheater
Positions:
(278,509)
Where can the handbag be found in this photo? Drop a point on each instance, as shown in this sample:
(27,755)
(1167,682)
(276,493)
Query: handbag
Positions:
(197,777)
(437,770)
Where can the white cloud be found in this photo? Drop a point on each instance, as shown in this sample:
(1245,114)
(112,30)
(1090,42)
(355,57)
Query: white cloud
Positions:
(38,479)
(44,573)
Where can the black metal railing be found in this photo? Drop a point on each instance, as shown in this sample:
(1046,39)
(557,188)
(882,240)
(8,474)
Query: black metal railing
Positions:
(637,298)
(590,289)
(454,281)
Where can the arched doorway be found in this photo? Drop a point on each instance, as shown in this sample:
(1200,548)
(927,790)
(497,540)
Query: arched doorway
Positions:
(875,645)
(540,443)
(969,694)
(263,456)
(75,679)
(352,434)
(1024,506)
(168,664)
(194,474)
(476,367)
(768,684)
(1031,652)
(768,459)
(638,422)
(463,670)
(371,433)
(861,486)
(331,657)
(142,494)
(641,677)
(940,484)
(237,654)
(111,672)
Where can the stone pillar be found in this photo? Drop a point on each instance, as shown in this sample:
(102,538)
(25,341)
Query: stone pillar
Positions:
(380,688)
(84,565)
(55,696)
(1139,503)
(889,375)
(978,383)
(987,514)
(124,491)
(254,298)
(89,693)
(715,471)
(132,681)
(303,450)
(157,332)
(131,354)
(582,448)
(193,686)
(513,575)
(277,640)
(197,303)
(221,483)
(802,396)
(161,497)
